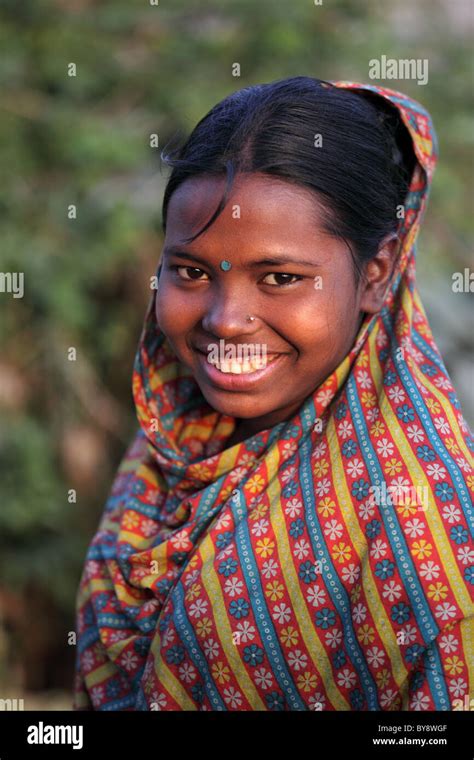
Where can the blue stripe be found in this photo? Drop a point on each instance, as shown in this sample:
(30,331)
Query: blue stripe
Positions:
(436,679)
(262,616)
(433,435)
(339,596)
(186,633)
(397,540)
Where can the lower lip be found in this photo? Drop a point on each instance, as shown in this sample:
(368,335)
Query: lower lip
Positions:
(230,382)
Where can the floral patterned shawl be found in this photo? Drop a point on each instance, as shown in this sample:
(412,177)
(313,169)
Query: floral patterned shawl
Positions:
(297,570)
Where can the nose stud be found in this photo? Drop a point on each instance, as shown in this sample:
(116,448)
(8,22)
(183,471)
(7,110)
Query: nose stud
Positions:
(225,265)
(250,319)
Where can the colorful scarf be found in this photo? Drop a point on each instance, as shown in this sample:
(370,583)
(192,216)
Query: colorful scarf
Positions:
(302,569)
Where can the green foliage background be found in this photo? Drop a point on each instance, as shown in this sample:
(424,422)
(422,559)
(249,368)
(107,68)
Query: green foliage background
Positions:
(84,140)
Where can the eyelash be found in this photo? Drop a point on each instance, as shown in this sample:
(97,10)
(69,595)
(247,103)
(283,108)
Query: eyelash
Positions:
(176,267)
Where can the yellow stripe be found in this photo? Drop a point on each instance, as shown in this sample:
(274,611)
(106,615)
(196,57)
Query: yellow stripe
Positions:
(311,639)
(467,634)
(376,607)
(418,476)
(212,586)
(99,674)
(167,678)
(447,408)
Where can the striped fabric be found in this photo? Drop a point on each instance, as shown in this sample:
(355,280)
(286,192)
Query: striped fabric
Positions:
(302,569)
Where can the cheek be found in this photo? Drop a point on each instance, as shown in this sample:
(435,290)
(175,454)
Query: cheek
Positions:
(174,313)
(327,323)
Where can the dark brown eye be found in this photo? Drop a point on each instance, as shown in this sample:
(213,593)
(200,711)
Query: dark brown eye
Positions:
(193,273)
(283,282)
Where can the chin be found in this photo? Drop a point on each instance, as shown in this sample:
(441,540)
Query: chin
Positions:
(244,408)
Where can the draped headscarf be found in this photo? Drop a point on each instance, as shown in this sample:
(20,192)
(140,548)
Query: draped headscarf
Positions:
(303,568)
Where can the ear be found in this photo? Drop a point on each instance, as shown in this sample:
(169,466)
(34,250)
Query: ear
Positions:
(377,275)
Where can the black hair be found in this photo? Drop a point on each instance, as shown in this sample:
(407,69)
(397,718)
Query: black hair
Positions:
(360,174)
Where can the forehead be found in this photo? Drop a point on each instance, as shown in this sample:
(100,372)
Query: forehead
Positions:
(258,205)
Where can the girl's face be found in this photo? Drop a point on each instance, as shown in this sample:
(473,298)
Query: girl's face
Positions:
(296,280)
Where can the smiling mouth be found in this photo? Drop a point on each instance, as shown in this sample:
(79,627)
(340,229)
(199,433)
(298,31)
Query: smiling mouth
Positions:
(238,374)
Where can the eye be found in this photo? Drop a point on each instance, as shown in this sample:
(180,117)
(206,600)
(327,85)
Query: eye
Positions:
(190,271)
(285,281)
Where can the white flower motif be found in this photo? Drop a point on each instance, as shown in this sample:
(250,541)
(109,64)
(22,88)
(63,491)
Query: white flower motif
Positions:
(465,555)
(372,414)
(293,507)
(317,702)
(398,488)
(288,474)
(451,513)
(436,471)
(263,678)
(281,613)
(320,450)
(198,608)
(180,540)
(387,697)
(463,464)
(187,672)
(246,631)
(269,568)
(345,429)
(211,648)
(129,660)
(316,595)
(415,433)
(385,448)
(260,527)
(158,700)
(223,522)
(458,687)
(346,678)
(420,701)
(442,382)
(378,549)
(396,394)
(366,509)
(415,528)
(409,634)
(355,468)
(429,570)
(333,638)
(359,613)
(232,697)
(322,487)
(333,529)
(97,695)
(233,586)
(375,657)
(149,528)
(441,425)
(297,659)
(364,380)
(301,549)
(445,611)
(392,591)
(449,643)
(324,397)
(351,573)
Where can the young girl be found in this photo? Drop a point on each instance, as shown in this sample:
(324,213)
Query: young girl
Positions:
(290,529)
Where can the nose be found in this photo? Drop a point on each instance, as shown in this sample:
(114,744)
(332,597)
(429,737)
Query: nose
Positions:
(227,314)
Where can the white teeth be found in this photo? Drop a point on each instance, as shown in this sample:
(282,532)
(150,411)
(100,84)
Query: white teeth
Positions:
(238,367)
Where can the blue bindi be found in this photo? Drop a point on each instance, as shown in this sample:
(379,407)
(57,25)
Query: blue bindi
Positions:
(225,265)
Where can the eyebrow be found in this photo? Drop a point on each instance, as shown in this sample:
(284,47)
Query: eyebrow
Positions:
(273,261)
